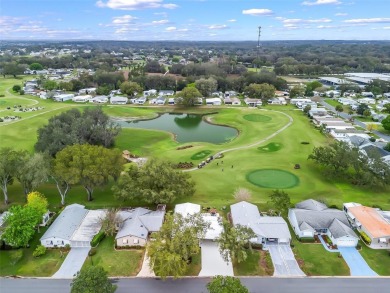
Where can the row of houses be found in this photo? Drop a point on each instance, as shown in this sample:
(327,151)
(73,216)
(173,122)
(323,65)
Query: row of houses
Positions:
(76,226)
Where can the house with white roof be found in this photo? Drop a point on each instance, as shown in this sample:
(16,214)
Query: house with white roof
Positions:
(118,100)
(82,99)
(75,226)
(267,229)
(213,101)
(99,100)
(63,97)
(310,218)
(367,101)
(136,225)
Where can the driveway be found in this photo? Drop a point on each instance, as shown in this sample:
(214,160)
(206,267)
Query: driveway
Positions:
(212,262)
(356,262)
(72,263)
(146,271)
(284,260)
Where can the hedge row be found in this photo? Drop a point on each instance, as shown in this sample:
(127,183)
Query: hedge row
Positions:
(97,238)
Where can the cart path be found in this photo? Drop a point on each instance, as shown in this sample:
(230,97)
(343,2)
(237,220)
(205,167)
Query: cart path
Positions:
(291,120)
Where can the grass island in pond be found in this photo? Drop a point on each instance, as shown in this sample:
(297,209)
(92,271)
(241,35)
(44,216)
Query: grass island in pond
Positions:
(186,128)
(272,178)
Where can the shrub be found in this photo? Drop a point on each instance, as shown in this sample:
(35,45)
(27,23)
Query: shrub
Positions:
(305,142)
(387,147)
(21,92)
(2,96)
(306,240)
(365,237)
(372,139)
(97,238)
(39,251)
(92,252)
(15,256)
(67,247)
(333,206)
(16,88)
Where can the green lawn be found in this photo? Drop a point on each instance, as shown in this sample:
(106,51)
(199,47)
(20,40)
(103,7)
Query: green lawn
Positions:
(118,263)
(334,103)
(258,263)
(29,266)
(195,266)
(314,260)
(377,259)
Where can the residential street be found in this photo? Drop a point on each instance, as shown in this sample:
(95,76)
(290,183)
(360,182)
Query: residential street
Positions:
(356,122)
(197,285)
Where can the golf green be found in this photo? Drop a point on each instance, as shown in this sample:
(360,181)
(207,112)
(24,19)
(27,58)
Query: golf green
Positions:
(257,118)
(272,178)
(271,147)
(201,155)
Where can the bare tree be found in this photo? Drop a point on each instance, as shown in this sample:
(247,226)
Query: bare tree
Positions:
(242,194)
(111,221)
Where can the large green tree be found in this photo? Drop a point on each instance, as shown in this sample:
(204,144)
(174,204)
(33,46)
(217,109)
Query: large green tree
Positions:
(155,182)
(386,123)
(175,244)
(263,91)
(32,171)
(50,85)
(206,86)
(234,242)
(189,96)
(10,160)
(36,66)
(297,91)
(92,126)
(130,88)
(386,108)
(280,201)
(20,223)
(38,202)
(91,166)
(226,284)
(92,280)
(13,68)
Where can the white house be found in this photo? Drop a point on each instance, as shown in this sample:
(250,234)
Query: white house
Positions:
(141,101)
(277,101)
(91,90)
(136,225)
(232,101)
(166,93)
(160,101)
(82,99)
(213,101)
(310,218)
(171,101)
(368,95)
(187,208)
(150,93)
(267,229)
(294,101)
(118,100)
(253,102)
(63,97)
(75,226)
(99,100)
(368,101)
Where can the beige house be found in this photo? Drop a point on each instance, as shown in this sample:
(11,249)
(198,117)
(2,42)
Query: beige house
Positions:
(136,225)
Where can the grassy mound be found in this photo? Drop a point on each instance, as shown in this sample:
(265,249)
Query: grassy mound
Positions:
(271,147)
(257,118)
(272,178)
(201,155)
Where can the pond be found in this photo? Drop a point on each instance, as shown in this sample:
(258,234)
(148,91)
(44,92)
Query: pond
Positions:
(186,128)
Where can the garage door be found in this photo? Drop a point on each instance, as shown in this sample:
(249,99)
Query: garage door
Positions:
(346,242)
(80,244)
(284,240)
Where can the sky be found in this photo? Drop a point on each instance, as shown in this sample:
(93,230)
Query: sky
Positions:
(196,20)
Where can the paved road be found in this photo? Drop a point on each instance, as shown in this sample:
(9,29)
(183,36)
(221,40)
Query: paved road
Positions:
(284,261)
(356,262)
(197,285)
(356,122)
(72,263)
(212,262)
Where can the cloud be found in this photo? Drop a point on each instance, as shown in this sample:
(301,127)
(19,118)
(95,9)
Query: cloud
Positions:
(320,2)
(123,19)
(159,22)
(299,21)
(170,28)
(218,27)
(134,4)
(232,20)
(258,12)
(341,14)
(368,20)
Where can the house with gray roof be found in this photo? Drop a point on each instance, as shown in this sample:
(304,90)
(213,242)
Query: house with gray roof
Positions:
(61,231)
(135,225)
(310,218)
(267,229)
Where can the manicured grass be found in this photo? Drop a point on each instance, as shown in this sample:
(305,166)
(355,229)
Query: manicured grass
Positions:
(273,178)
(29,266)
(257,118)
(258,263)
(195,266)
(201,155)
(118,263)
(271,147)
(377,259)
(314,260)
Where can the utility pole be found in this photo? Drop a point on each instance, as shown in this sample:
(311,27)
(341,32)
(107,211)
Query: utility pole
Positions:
(258,48)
